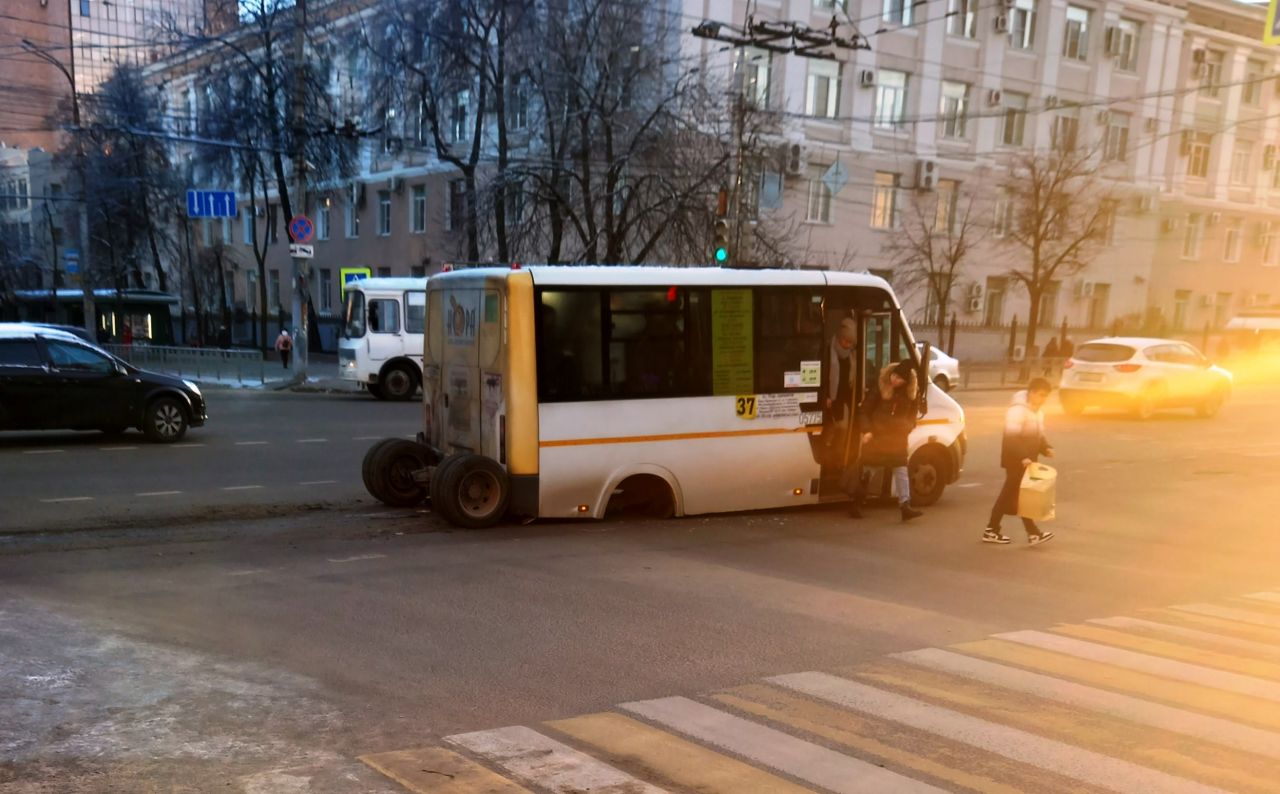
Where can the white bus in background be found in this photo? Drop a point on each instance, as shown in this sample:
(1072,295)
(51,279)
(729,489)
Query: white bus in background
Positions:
(561,392)
(380,345)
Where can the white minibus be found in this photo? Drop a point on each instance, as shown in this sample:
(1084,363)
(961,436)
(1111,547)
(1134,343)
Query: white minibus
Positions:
(382,335)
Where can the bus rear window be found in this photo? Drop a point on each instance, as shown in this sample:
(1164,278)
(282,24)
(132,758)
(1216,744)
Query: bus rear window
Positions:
(353,326)
(415,312)
(1103,353)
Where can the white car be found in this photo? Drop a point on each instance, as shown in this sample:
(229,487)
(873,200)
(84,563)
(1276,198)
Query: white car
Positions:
(944,370)
(1143,376)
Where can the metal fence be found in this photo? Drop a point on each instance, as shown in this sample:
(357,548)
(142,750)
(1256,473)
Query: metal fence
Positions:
(198,363)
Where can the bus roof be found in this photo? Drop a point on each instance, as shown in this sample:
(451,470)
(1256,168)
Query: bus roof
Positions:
(647,275)
(393,283)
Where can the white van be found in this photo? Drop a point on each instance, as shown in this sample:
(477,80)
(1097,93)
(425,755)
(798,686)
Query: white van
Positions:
(382,335)
(564,392)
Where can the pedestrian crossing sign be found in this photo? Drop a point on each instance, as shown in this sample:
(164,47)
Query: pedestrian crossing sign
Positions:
(1271,33)
(350,274)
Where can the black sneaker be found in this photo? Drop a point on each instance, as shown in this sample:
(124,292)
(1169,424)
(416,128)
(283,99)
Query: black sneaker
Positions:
(1036,540)
(908,513)
(994,536)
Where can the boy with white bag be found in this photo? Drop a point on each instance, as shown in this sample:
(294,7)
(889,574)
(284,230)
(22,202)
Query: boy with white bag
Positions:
(1023,444)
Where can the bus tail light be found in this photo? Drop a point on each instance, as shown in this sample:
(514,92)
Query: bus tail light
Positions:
(1128,367)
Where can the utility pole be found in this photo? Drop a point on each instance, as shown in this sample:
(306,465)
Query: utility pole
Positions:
(301,267)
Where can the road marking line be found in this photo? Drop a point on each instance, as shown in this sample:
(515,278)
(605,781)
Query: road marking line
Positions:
(366,438)
(158,493)
(312,440)
(1058,757)
(952,763)
(187,446)
(68,499)
(359,557)
(547,763)
(318,482)
(435,770)
(687,765)
(1239,615)
(1270,598)
(114,449)
(1233,628)
(1266,649)
(42,451)
(1171,650)
(760,744)
(252,443)
(1152,687)
(1125,707)
(1131,660)
(241,487)
(249,572)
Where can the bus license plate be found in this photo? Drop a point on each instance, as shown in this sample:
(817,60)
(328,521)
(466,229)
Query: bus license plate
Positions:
(810,418)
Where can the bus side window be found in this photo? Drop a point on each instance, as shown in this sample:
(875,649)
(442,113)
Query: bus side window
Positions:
(788,331)
(384,316)
(570,351)
(415,312)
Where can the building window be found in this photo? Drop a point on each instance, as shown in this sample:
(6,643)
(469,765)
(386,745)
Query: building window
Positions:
(84,8)
(23,200)
(1110,211)
(384,213)
(1066,129)
(1002,223)
(891,98)
(251,291)
(1181,306)
(948,194)
(1256,75)
(455,209)
(962,18)
(1075,43)
(324,218)
(823,97)
(353,211)
(1270,245)
(819,208)
(884,201)
(954,109)
(1241,162)
(1211,77)
(458,114)
(1022,24)
(518,103)
(993,306)
(326,289)
(757,71)
(897,12)
(1192,236)
(273,223)
(1234,240)
(1199,149)
(273,289)
(227,233)
(246,222)
(418,271)
(1116,148)
(418,210)
(1126,46)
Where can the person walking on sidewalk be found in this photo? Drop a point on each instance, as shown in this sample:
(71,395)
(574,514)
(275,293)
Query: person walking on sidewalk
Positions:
(1023,444)
(886,418)
(284,346)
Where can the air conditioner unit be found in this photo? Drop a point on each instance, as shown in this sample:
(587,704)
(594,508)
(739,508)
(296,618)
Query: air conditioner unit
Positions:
(1152,124)
(1113,39)
(1051,101)
(975,290)
(926,174)
(1084,289)
(994,97)
(1148,203)
(794,158)
(975,304)
(1215,218)
(1001,23)
(1269,156)
(867,78)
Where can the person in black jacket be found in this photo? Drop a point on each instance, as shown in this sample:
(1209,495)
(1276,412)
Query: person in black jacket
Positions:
(1023,444)
(886,418)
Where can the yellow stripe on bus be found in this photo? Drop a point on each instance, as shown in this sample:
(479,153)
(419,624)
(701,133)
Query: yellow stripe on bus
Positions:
(522,377)
(584,442)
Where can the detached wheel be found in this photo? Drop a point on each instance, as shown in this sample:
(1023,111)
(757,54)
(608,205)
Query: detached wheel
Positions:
(928,469)
(1211,405)
(471,491)
(165,420)
(398,382)
(366,468)
(392,468)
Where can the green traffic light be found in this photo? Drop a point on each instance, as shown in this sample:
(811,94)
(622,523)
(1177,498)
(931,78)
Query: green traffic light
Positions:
(722,254)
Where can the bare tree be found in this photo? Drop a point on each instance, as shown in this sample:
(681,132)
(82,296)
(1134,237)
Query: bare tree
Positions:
(934,239)
(1058,214)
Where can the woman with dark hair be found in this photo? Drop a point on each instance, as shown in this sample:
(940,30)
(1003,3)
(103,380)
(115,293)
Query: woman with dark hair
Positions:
(1023,444)
(886,418)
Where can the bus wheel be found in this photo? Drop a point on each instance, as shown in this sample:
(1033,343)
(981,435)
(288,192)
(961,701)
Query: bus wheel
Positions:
(366,469)
(928,470)
(392,472)
(398,382)
(644,495)
(470,491)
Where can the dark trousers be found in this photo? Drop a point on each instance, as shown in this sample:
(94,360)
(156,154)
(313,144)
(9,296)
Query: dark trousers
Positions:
(284,358)
(1007,502)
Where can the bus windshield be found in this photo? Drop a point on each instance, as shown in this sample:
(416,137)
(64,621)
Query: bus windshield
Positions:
(353,326)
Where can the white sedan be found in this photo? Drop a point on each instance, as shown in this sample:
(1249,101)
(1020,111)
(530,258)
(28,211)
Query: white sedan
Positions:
(944,370)
(1142,375)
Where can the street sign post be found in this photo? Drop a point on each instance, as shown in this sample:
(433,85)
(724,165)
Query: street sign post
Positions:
(301,229)
(211,204)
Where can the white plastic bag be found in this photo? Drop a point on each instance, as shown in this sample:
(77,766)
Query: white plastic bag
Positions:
(1037,497)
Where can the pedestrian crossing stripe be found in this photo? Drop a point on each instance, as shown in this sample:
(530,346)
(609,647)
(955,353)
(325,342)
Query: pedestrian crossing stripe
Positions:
(1181,699)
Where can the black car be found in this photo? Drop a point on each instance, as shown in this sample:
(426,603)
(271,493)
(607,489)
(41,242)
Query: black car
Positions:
(53,380)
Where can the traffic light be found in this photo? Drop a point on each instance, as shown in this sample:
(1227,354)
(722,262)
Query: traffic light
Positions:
(720,249)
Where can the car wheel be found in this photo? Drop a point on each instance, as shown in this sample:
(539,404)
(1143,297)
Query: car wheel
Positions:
(393,468)
(166,421)
(366,468)
(471,491)
(942,382)
(1071,406)
(928,469)
(1146,404)
(1211,405)
(398,383)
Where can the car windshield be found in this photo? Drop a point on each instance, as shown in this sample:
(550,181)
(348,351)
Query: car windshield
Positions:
(1104,353)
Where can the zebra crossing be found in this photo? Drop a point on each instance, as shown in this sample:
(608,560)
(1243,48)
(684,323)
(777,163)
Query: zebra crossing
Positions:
(1178,699)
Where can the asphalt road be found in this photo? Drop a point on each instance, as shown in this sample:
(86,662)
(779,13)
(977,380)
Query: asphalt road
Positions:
(731,653)
(258,453)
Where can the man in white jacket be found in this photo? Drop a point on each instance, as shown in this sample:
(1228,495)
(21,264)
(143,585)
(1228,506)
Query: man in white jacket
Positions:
(1023,443)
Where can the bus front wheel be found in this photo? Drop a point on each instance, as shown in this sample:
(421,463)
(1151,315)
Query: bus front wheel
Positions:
(470,491)
(398,382)
(928,468)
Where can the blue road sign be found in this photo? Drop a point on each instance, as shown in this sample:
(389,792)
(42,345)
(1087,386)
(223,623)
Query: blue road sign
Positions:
(71,260)
(302,229)
(211,204)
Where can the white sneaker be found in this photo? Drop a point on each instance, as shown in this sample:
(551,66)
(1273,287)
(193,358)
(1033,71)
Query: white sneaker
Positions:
(1036,540)
(994,536)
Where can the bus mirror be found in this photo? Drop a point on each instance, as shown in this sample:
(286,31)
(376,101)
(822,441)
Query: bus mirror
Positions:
(922,376)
